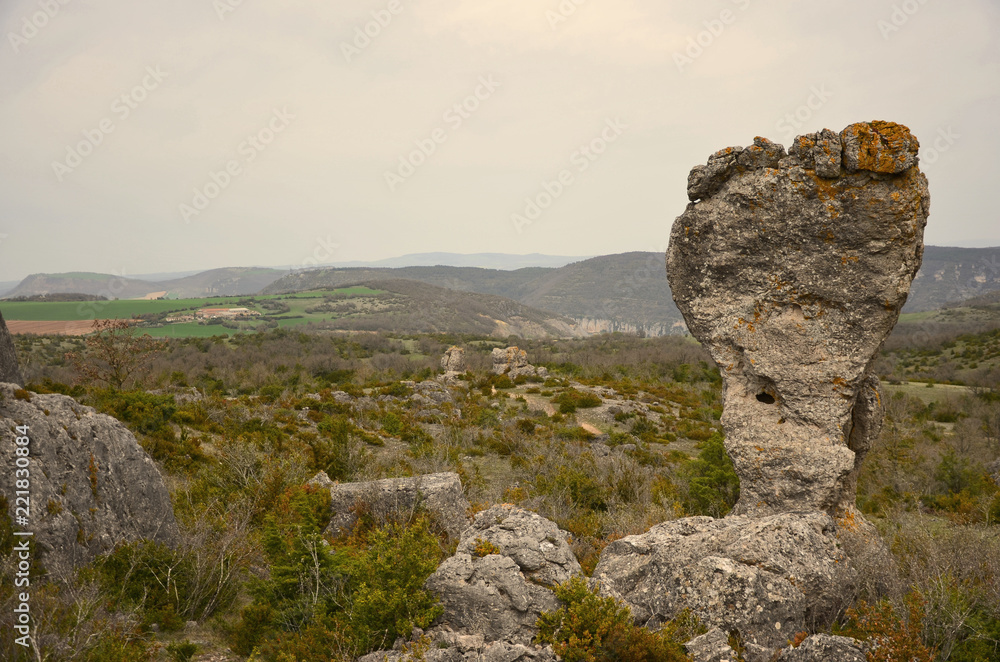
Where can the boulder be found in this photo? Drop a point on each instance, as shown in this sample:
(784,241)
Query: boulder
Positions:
(447,646)
(91,485)
(766,578)
(500,578)
(10,372)
(453,360)
(440,494)
(792,270)
(713,646)
(513,362)
(825,648)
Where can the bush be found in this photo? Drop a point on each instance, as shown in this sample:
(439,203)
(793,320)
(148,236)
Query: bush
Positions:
(893,638)
(349,598)
(713,486)
(570,400)
(589,628)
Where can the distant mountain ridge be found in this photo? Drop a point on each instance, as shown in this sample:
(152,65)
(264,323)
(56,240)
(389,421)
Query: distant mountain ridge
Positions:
(627,292)
(214,282)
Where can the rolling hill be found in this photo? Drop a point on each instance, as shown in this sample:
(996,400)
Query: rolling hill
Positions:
(230,281)
(627,292)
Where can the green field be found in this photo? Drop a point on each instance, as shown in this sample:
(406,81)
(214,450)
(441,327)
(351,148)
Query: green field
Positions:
(52,311)
(49,311)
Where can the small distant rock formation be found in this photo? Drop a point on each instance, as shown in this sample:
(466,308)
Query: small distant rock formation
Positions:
(453,360)
(10,371)
(513,362)
(792,270)
(92,485)
(440,494)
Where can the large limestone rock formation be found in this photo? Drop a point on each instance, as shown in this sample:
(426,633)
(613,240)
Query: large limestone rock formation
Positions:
(91,485)
(766,578)
(792,270)
(9,370)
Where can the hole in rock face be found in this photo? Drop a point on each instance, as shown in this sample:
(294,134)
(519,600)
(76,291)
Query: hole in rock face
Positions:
(766,398)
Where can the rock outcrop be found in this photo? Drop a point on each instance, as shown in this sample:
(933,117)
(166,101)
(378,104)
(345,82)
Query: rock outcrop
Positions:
(453,360)
(440,494)
(513,362)
(500,578)
(792,270)
(10,371)
(767,578)
(91,485)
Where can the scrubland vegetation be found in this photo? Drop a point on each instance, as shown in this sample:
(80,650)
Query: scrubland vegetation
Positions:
(240,424)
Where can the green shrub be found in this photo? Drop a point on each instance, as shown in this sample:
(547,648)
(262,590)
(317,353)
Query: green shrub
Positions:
(713,486)
(152,578)
(571,399)
(589,628)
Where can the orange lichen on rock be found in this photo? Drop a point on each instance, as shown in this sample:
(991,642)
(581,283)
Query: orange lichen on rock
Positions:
(879,147)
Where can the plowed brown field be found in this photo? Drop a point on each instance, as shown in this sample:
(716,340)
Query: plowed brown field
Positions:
(58,328)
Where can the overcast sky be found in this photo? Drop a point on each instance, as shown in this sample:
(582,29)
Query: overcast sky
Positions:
(120,118)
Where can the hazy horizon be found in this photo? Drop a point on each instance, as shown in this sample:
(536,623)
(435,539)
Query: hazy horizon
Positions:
(199,135)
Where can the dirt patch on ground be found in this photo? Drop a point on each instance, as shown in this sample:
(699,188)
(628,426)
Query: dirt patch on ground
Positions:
(54,328)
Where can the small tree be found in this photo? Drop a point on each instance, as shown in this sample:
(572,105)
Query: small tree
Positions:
(115,354)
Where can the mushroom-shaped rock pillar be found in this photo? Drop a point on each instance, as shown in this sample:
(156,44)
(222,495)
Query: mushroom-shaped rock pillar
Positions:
(792,269)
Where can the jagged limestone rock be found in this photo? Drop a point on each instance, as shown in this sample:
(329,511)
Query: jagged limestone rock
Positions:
(453,360)
(764,577)
(91,485)
(10,372)
(513,362)
(791,270)
(825,648)
(500,578)
(440,494)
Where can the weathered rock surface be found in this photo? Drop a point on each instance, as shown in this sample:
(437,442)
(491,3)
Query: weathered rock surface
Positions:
(499,580)
(513,362)
(713,646)
(825,648)
(767,577)
(447,646)
(792,270)
(453,360)
(91,485)
(440,494)
(10,371)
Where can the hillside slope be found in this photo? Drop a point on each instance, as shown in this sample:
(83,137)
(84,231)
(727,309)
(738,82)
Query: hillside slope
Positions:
(230,281)
(411,307)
